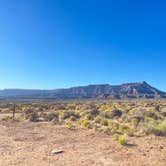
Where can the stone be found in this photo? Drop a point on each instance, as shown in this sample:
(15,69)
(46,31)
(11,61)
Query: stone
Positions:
(55,151)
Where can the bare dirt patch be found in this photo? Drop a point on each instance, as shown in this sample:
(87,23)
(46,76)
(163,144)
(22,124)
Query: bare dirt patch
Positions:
(25,143)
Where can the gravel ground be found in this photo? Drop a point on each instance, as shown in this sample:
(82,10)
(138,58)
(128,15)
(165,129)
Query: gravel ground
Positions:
(30,144)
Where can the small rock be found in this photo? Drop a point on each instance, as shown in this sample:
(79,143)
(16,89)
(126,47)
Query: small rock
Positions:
(57,151)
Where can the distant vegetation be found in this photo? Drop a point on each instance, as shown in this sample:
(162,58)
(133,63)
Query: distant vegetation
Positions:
(121,119)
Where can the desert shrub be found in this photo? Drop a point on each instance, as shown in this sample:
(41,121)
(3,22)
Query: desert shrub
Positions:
(117,113)
(138,112)
(111,113)
(56,121)
(89,116)
(130,132)
(135,121)
(106,114)
(88,106)
(149,120)
(105,129)
(114,126)
(98,119)
(70,126)
(59,106)
(86,123)
(151,114)
(116,136)
(160,129)
(123,140)
(72,118)
(104,122)
(94,112)
(125,129)
(65,114)
(71,106)
(50,116)
(6,118)
(103,107)
(33,117)
(43,115)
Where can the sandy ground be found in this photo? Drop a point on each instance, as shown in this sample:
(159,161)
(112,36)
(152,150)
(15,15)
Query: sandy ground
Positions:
(30,144)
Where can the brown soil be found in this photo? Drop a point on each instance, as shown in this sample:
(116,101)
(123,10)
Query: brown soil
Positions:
(30,144)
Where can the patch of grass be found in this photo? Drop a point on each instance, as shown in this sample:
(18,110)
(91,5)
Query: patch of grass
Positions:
(123,140)
(72,118)
(126,129)
(66,114)
(86,123)
(160,130)
(70,126)
(116,137)
(98,119)
(105,122)
(89,116)
(114,126)
(106,130)
(102,121)
(135,121)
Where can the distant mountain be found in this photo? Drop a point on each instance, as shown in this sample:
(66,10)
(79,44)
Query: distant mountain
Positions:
(140,90)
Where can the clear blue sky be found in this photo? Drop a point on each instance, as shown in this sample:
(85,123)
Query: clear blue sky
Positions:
(51,44)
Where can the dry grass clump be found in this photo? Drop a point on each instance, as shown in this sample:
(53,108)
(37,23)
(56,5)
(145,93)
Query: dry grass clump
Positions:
(50,116)
(70,126)
(31,115)
(66,114)
(160,129)
(123,140)
(86,123)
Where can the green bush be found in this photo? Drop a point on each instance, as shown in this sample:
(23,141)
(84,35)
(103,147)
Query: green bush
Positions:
(135,121)
(86,123)
(70,126)
(104,122)
(89,116)
(159,130)
(105,129)
(72,118)
(123,140)
(98,119)
(114,126)
(66,114)
(116,137)
(151,114)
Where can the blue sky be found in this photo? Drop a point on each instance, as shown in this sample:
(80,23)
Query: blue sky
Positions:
(61,43)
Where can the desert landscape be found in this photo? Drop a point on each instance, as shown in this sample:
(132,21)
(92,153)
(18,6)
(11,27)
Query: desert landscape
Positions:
(82,83)
(105,133)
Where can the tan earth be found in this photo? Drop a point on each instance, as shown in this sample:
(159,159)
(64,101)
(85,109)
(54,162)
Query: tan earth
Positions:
(30,144)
